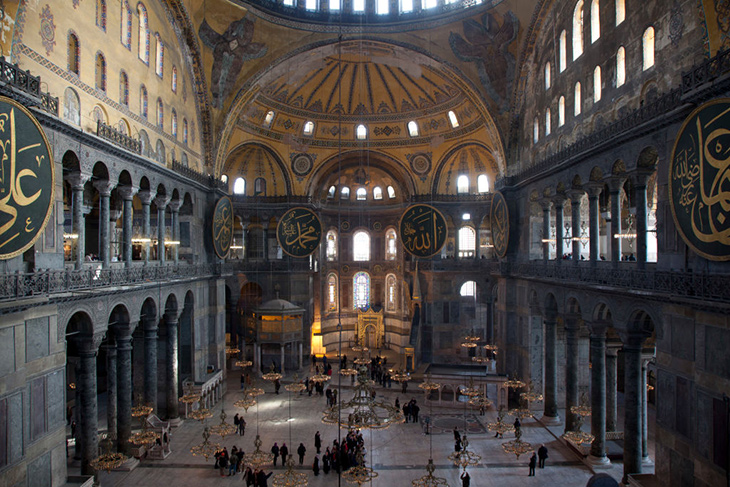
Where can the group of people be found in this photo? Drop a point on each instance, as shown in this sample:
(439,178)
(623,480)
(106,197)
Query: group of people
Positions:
(240,424)
(410,411)
(537,459)
(341,456)
(283,451)
(229,462)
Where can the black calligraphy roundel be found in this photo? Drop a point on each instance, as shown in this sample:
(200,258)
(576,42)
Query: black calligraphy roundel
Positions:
(299,232)
(699,180)
(500,224)
(423,230)
(223,227)
(27,179)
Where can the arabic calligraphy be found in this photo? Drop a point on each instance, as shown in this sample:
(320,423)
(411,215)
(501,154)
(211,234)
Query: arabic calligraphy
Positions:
(27,179)
(423,230)
(500,224)
(699,180)
(223,227)
(299,232)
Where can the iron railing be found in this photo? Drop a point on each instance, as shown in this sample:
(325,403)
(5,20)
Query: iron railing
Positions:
(12,75)
(118,138)
(201,178)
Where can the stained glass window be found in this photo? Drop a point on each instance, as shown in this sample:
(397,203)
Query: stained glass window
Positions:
(361,290)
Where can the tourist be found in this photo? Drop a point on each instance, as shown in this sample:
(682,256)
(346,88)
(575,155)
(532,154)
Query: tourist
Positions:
(283,451)
(542,454)
(275,452)
(317,441)
(533,462)
(301,451)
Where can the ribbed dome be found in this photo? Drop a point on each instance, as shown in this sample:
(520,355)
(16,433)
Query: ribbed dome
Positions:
(278,305)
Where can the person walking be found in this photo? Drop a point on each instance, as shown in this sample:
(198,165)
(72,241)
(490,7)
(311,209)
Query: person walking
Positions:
(277,386)
(223,462)
(301,451)
(326,458)
(317,441)
(275,452)
(284,452)
(457,435)
(533,462)
(542,454)
(465,479)
(241,426)
(315,465)
(248,477)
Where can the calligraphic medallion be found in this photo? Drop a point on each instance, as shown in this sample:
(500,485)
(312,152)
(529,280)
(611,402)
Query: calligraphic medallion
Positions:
(299,232)
(699,180)
(223,227)
(27,179)
(423,230)
(500,224)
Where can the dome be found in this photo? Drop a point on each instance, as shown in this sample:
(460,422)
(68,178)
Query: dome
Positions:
(277,305)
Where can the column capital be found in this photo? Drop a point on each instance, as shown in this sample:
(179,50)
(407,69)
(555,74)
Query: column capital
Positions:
(641,175)
(127,192)
(88,345)
(575,195)
(77,180)
(145,195)
(161,201)
(615,183)
(114,215)
(545,203)
(175,205)
(598,329)
(172,317)
(149,323)
(558,200)
(593,188)
(104,187)
(633,340)
(572,321)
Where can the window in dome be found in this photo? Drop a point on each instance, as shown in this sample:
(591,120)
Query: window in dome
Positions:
(578,100)
(466,216)
(123,89)
(310,4)
(268,118)
(620,11)
(469,288)
(595,21)
(173,122)
(173,82)
(597,84)
(429,4)
(391,192)
(331,192)
(331,246)
(144,34)
(224,178)
(100,72)
(578,30)
(345,193)
(289,3)
(159,56)
(143,102)
(309,128)
(547,122)
(185,131)
(334,5)
(390,240)
(332,292)
(547,75)
(467,241)
(382,7)
(259,187)
(361,290)
(377,193)
(482,183)
(101,14)
(647,43)
(453,120)
(358,6)
(406,6)
(620,66)
(462,184)
(390,284)
(160,114)
(535,131)
(361,246)
(361,194)
(239,186)
(126,27)
(561,111)
(413,128)
(563,51)
(73,53)
(361,132)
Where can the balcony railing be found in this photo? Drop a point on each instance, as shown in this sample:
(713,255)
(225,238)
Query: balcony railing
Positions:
(191,173)
(118,138)
(12,75)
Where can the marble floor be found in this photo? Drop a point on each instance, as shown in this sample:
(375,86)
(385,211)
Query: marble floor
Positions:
(398,454)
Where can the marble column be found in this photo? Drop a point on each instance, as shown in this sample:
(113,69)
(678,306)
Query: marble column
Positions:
(576,197)
(175,209)
(632,405)
(161,202)
(149,327)
(598,395)
(104,188)
(572,325)
(640,180)
(123,335)
(545,205)
(145,197)
(282,359)
(594,221)
(550,415)
(111,385)
(88,410)
(645,359)
(301,352)
(113,218)
(171,365)
(611,395)
(558,201)
(615,184)
(127,193)
(77,181)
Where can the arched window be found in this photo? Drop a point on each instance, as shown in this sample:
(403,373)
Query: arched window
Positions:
(391,192)
(71,107)
(406,6)
(126,27)
(239,186)
(561,111)
(361,290)
(345,193)
(547,122)
(467,241)
(101,14)
(310,4)
(647,43)
(173,82)
(535,130)
(377,193)
(361,194)
(73,53)
(453,120)
(390,240)
(159,56)
(100,72)
(268,118)
(334,5)
(620,66)
(482,183)
(597,84)
(428,4)
(289,3)
(224,178)
(563,43)
(98,115)
(358,5)
(382,7)
(160,114)
(331,192)
(123,89)
(259,187)
(469,288)
(331,246)
(308,128)
(547,75)
(144,34)
(413,128)
(173,122)
(361,246)
(578,100)
(462,184)
(620,11)
(185,131)
(161,152)
(391,297)
(332,292)
(143,102)
(578,30)
(361,132)
(595,21)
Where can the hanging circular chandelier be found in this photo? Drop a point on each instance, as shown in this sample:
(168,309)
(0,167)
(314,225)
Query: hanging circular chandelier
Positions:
(290,478)
(491,348)
(578,437)
(531,396)
(517,446)
(480,402)
(206,449)
(472,390)
(231,351)
(522,413)
(109,460)
(465,458)
(360,474)
(429,480)
(469,344)
(144,438)
(245,403)
(272,375)
(400,376)
(320,378)
(428,384)
(141,411)
(513,383)
(190,396)
(360,348)
(481,360)
(243,363)
(362,411)
(258,458)
(348,372)
(500,427)
(295,386)
(362,360)
(200,414)
(223,429)
(582,411)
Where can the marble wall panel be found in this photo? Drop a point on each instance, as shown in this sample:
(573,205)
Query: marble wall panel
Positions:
(717,360)
(683,338)
(7,351)
(39,471)
(36,338)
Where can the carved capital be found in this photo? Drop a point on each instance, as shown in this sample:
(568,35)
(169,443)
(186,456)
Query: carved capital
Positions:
(127,192)
(615,183)
(175,205)
(593,189)
(104,187)
(145,196)
(575,196)
(558,200)
(77,180)
(545,203)
(161,201)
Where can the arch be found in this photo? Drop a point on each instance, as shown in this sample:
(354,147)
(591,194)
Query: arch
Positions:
(602,313)
(120,315)
(246,158)
(125,36)
(331,245)
(391,293)
(361,246)
(642,321)
(143,32)
(578,30)
(361,290)
(73,53)
(333,292)
(171,306)
(391,240)
(648,158)
(100,71)
(475,156)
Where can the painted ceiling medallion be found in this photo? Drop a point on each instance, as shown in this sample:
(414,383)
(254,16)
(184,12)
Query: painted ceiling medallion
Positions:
(421,163)
(301,164)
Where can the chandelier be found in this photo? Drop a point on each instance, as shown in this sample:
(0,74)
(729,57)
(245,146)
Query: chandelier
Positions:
(491,348)
(272,375)
(468,344)
(481,360)
(243,363)
(190,396)
(480,402)
(400,376)
(362,411)
(513,383)
(319,378)
(362,360)
(109,460)
(231,351)
(290,478)
(144,437)
(141,411)
(360,348)
(360,474)
(206,449)
(295,386)
(531,395)
(517,446)
(472,390)
(465,458)
(429,480)
(348,372)
(500,427)
(223,429)
(258,458)
(428,385)
(201,414)
(581,411)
